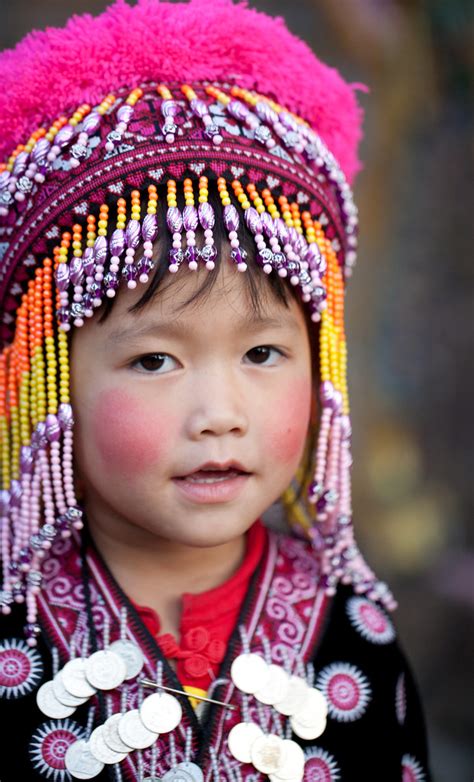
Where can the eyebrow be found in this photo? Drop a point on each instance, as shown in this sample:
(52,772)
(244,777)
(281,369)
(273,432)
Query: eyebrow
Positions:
(179,329)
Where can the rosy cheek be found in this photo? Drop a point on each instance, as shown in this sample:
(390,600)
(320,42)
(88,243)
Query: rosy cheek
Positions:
(128,441)
(286,428)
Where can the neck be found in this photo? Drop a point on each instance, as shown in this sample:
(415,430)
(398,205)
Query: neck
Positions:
(155,572)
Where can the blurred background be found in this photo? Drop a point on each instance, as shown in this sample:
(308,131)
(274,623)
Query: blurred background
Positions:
(410,320)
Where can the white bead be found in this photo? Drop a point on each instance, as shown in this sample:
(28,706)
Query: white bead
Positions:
(232,235)
(234,243)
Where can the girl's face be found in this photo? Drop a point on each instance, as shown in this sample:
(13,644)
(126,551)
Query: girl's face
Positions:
(190,421)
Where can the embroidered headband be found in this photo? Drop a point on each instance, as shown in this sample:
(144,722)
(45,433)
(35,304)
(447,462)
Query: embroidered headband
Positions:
(78,219)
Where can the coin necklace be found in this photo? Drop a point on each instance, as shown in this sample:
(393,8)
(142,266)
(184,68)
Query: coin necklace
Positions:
(292,697)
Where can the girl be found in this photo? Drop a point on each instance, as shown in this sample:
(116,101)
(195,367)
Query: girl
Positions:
(177,226)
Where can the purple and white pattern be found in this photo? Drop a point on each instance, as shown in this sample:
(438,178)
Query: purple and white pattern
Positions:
(346,689)
(370,620)
(400,699)
(21,668)
(48,747)
(412,771)
(320,766)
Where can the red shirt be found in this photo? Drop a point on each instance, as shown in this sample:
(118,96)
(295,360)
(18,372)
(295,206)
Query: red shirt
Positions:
(207,620)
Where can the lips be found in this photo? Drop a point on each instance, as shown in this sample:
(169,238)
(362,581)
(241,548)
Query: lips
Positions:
(212,472)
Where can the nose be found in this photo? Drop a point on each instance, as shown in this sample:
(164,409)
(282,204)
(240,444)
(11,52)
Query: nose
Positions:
(218,408)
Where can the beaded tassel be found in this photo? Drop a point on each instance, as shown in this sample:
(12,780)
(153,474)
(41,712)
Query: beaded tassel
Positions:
(190,224)
(37,500)
(232,222)
(174,221)
(207,220)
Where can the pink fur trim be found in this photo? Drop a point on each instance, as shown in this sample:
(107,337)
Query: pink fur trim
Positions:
(51,72)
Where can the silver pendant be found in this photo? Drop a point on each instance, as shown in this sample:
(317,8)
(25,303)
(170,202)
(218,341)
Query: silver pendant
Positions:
(105,670)
(275,687)
(184,772)
(292,766)
(131,654)
(294,698)
(267,753)
(101,750)
(241,738)
(63,695)
(308,732)
(161,712)
(249,672)
(80,762)
(314,707)
(74,678)
(133,732)
(294,778)
(49,704)
(111,734)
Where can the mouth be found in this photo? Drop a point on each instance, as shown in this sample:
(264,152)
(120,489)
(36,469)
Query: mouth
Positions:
(214,472)
(213,482)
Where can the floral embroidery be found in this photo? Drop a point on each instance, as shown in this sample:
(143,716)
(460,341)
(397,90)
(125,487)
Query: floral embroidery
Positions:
(412,771)
(347,691)
(21,668)
(49,745)
(320,766)
(370,621)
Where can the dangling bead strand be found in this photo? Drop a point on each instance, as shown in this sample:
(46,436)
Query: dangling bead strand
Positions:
(174,221)
(190,224)
(149,235)
(231,222)
(207,219)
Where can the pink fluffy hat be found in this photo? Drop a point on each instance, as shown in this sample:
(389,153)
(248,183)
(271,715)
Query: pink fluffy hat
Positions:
(189,121)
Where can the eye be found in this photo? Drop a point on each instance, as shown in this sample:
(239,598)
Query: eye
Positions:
(264,354)
(155,363)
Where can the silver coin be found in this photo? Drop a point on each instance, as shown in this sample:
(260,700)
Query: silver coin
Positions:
(191,768)
(294,698)
(74,678)
(131,654)
(249,672)
(111,734)
(63,695)
(311,732)
(275,687)
(133,732)
(80,762)
(49,704)
(292,765)
(180,774)
(101,750)
(267,753)
(314,707)
(294,778)
(161,712)
(241,738)
(105,670)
